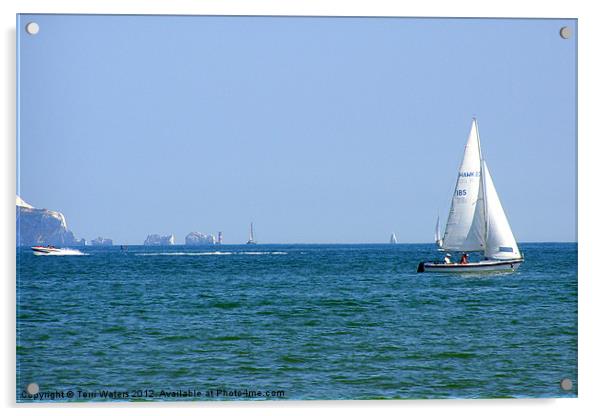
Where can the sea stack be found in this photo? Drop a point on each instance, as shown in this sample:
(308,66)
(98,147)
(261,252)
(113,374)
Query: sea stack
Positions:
(160,240)
(101,241)
(196,238)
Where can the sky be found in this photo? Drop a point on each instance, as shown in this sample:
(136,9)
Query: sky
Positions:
(319,130)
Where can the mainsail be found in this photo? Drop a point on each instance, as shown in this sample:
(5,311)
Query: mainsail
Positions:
(393,239)
(457,235)
(477,221)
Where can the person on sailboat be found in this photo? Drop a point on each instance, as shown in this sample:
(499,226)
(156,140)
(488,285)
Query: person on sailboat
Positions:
(464,259)
(447,259)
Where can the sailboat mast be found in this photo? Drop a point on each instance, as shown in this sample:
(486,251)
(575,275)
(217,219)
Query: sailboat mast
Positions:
(251,238)
(482,178)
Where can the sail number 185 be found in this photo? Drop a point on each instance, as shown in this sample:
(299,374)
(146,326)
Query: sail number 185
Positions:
(460,192)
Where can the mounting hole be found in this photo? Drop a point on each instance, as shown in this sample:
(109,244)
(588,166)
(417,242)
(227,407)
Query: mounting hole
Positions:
(33,388)
(32,28)
(566,384)
(565,32)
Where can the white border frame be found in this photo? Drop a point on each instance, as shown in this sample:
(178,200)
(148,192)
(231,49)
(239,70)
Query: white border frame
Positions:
(589,170)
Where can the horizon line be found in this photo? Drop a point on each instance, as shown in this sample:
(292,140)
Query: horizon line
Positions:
(273,244)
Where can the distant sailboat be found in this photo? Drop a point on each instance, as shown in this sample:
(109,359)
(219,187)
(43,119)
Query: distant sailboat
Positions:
(393,239)
(438,239)
(476,221)
(251,236)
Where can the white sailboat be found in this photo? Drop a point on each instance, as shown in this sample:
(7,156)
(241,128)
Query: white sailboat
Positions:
(476,221)
(393,239)
(251,236)
(438,239)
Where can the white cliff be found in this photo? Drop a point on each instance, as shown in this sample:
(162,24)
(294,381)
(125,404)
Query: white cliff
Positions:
(38,226)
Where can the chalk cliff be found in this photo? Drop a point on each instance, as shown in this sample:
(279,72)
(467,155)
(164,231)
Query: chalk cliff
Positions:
(39,226)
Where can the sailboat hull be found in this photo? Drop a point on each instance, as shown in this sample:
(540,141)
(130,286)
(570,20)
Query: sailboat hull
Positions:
(477,267)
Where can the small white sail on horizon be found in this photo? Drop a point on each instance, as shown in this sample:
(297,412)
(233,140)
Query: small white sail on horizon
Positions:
(393,239)
(476,220)
(438,239)
(251,236)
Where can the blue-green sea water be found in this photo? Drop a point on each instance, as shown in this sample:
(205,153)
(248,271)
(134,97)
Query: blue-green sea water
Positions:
(292,322)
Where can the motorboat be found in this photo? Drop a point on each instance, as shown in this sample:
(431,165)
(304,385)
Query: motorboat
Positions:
(48,250)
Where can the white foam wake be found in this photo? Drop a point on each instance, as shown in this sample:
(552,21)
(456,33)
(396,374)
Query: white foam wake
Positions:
(263,252)
(212,253)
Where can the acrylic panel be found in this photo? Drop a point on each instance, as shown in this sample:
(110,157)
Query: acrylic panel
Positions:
(295,208)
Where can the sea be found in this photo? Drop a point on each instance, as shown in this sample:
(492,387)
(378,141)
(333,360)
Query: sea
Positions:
(292,322)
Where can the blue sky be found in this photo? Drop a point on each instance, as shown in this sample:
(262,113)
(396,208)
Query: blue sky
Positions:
(317,129)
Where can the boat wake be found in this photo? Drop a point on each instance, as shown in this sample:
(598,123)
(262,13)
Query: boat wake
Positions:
(214,253)
(276,253)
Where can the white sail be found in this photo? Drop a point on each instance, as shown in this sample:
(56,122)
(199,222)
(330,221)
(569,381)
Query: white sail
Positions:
(500,243)
(438,234)
(477,234)
(393,239)
(458,235)
(251,236)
